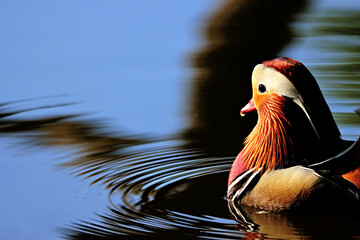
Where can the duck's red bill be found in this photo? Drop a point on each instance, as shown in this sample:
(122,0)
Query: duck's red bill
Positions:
(250,107)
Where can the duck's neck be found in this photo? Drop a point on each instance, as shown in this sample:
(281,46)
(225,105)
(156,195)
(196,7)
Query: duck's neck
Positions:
(270,145)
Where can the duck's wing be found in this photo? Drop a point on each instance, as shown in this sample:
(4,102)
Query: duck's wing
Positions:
(343,162)
(293,187)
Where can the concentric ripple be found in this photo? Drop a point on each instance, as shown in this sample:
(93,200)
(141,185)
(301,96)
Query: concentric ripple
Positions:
(155,188)
(158,191)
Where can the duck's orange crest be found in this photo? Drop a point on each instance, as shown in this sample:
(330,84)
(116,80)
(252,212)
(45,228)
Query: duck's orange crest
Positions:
(269,145)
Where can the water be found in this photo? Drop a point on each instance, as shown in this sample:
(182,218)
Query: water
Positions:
(110,137)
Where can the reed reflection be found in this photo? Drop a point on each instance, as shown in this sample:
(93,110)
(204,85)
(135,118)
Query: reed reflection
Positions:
(335,37)
(340,72)
(238,35)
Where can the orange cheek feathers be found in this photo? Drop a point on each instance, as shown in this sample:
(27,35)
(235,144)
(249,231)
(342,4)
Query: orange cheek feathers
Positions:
(259,99)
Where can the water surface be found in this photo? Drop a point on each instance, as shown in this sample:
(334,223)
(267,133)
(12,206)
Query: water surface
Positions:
(110,137)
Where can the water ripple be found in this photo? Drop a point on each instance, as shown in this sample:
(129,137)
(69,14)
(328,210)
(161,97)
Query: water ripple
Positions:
(142,187)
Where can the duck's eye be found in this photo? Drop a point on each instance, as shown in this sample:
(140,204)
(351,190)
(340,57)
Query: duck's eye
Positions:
(261,88)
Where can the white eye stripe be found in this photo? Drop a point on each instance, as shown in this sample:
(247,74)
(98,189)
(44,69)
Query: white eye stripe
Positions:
(274,81)
(277,83)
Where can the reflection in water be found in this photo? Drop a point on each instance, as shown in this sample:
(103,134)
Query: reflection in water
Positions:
(296,226)
(239,35)
(337,33)
(155,188)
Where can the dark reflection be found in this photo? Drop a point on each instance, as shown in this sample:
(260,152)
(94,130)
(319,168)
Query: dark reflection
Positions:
(156,189)
(239,35)
(296,225)
(65,130)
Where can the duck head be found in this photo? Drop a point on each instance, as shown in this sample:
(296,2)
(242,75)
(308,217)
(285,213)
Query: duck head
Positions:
(294,120)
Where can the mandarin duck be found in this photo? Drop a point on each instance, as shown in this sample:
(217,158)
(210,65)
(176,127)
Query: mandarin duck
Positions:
(294,157)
